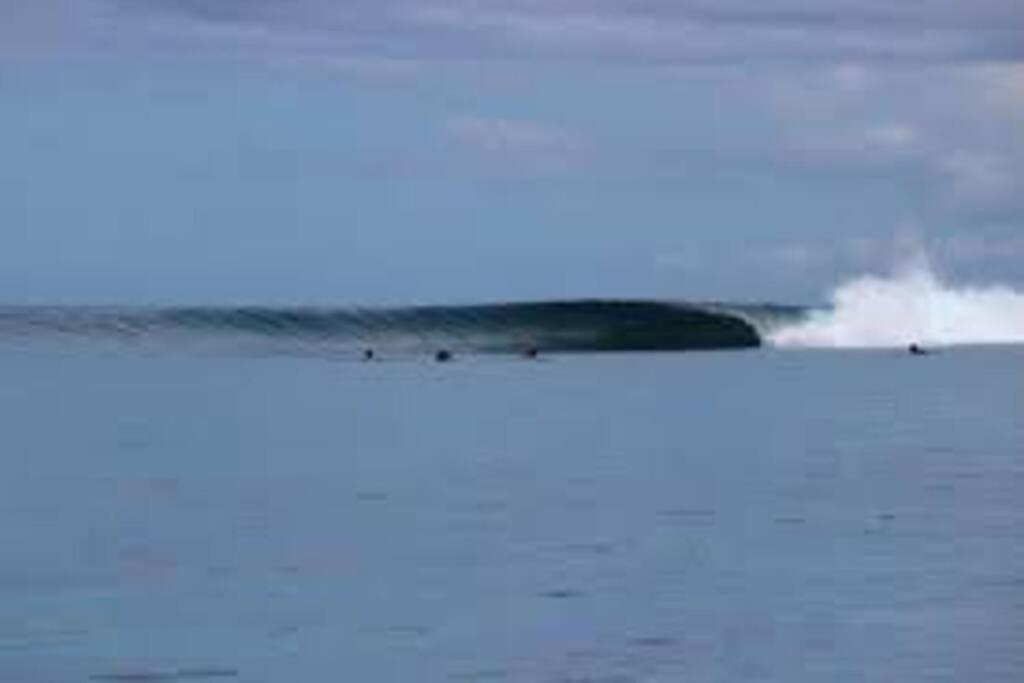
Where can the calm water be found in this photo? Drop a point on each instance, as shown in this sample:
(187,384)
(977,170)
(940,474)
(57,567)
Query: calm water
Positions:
(749,516)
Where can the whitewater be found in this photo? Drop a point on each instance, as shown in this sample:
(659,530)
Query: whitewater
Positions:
(912,305)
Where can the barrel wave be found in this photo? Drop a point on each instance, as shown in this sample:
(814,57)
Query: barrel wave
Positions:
(563,326)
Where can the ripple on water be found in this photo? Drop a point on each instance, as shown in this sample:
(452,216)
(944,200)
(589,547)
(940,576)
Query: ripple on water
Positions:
(699,516)
(164,676)
(652,641)
(591,547)
(13,641)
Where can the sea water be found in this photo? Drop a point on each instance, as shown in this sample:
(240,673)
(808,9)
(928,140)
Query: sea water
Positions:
(762,515)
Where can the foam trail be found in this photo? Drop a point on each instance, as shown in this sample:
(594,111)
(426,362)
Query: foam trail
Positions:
(911,306)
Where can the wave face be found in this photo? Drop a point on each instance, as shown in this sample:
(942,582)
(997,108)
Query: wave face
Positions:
(592,325)
(910,306)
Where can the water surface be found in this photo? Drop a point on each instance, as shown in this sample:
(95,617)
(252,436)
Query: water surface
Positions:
(738,516)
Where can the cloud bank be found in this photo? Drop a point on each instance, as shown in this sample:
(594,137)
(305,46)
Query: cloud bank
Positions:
(643,31)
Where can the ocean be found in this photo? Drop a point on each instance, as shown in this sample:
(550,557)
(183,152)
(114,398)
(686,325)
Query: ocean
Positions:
(666,492)
(267,513)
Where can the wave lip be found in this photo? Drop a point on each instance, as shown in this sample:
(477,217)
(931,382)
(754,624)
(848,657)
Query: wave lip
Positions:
(911,306)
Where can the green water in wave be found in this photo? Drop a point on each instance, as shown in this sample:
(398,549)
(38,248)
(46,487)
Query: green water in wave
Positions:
(585,325)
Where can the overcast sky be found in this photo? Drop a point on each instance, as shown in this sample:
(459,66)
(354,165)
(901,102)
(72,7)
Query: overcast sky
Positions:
(389,151)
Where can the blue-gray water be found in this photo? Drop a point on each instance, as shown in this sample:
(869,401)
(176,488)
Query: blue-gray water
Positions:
(738,516)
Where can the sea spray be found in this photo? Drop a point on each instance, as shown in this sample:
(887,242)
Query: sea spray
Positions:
(911,306)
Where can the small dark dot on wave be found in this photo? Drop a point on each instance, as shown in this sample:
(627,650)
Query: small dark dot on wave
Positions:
(561,594)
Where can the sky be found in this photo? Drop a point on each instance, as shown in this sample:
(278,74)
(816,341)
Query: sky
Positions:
(387,152)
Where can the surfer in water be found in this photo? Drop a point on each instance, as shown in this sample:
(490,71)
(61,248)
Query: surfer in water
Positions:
(443,356)
(368,355)
(917,350)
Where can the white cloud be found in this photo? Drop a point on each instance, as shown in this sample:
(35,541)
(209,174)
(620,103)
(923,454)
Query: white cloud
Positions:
(892,136)
(847,144)
(1002,87)
(852,77)
(957,132)
(525,144)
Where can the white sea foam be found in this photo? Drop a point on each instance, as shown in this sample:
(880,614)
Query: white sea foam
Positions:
(910,306)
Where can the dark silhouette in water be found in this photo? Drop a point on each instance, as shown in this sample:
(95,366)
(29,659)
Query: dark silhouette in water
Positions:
(368,354)
(917,350)
(531,352)
(443,356)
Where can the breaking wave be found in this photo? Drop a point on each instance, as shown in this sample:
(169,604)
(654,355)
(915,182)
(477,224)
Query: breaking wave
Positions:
(911,306)
(589,325)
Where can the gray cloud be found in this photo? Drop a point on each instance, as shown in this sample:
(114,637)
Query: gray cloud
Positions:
(957,129)
(672,31)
